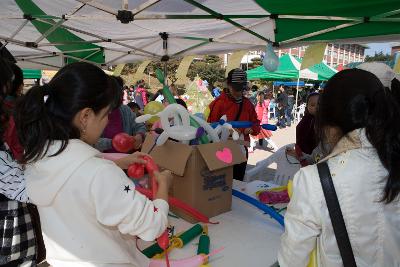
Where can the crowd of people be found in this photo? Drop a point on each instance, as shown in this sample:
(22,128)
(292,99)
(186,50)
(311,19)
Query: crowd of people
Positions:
(91,215)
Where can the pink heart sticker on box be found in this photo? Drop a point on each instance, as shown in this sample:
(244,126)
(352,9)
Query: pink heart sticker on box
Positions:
(225,155)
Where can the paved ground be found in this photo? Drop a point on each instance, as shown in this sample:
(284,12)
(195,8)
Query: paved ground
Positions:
(280,137)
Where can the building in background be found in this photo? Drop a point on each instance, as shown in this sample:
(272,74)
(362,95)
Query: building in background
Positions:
(395,48)
(335,54)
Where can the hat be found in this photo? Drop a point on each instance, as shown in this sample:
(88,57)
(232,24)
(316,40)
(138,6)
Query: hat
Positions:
(384,73)
(237,78)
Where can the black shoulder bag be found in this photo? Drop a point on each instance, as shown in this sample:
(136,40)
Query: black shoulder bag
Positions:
(338,224)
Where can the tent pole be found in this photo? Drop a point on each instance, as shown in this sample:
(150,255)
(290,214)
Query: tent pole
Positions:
(297,96)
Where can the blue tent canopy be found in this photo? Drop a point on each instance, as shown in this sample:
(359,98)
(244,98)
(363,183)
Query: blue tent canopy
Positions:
(279,83)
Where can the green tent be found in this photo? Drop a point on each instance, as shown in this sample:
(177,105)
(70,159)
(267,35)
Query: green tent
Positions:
(322,69)
(289,69)
(32,74)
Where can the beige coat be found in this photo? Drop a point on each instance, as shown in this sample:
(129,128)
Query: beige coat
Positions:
(373,227)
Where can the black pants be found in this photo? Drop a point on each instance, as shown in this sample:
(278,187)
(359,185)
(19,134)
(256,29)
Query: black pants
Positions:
(239,170)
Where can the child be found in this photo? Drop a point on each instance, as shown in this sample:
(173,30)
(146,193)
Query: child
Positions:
(18,240)
(262,110)
(305,132)
(90,212)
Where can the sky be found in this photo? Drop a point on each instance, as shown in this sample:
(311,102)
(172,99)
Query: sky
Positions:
(378,47)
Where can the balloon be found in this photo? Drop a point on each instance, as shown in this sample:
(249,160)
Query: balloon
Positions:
(278,217)
(206,113)
(179,204)
(170,98)
(123,142)
(136,170)
(271,60)
(290,188)
(270,127)
(182,130)
(153,108)
(213,134)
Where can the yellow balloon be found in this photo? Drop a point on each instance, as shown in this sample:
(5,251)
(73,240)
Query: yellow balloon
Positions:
(152,108)
(206,113)
(290,188)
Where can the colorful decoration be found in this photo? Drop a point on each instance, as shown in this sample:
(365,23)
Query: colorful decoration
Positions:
(170,98)
(225,155)
(197,96)
(154,251)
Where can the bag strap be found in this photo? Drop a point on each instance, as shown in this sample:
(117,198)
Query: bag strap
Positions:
(240,111)
(335,213)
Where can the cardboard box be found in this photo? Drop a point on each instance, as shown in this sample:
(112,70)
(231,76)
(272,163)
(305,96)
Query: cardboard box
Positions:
(202,173)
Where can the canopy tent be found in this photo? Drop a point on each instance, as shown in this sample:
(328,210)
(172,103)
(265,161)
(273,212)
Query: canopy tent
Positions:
(289,69)
(324,71)
(53,33)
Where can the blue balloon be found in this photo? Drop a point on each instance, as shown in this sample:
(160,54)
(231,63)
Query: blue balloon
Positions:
(270,127)
(267,209)
(271,60)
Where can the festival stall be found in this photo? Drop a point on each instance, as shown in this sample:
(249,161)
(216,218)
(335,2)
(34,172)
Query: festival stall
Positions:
(51,34)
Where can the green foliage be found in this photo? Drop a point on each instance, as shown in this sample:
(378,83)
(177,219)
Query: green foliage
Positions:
(379,57)
(210,70)
(172,66)
(255,62)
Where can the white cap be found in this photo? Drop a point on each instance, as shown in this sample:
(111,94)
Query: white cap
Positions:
(384,73)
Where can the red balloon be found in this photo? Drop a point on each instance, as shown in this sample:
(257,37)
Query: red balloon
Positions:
(123,142)
(179,204)
(136,170)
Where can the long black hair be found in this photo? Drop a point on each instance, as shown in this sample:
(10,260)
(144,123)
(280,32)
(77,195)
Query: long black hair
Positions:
(6,79)
(355,99)
(46,112)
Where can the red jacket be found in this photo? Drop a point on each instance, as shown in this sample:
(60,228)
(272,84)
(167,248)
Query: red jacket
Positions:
(225,105)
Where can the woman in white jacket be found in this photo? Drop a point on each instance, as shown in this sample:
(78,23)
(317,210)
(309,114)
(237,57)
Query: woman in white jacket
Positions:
(359,118)
(90,212)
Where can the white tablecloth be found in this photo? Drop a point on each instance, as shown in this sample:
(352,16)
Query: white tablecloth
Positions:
(250,237)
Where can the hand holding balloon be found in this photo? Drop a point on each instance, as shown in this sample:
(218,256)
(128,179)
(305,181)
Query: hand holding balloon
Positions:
(127,160)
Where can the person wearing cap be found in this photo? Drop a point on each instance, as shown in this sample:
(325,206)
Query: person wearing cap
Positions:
(236,107)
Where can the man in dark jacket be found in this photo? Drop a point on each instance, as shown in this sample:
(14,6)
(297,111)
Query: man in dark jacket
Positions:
(282,101)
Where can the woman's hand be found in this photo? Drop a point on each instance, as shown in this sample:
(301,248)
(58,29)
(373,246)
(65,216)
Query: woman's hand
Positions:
(164,180)
(136,157)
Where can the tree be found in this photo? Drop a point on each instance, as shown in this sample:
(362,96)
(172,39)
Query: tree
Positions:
(212,72)
(379,57)
(255,62)
(172,66)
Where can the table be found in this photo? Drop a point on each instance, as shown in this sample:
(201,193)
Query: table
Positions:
(250,237)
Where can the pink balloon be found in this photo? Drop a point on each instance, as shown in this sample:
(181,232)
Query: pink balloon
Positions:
(195,261)
(113,156)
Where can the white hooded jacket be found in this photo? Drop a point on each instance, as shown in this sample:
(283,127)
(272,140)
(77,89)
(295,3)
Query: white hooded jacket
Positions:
(90,212)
